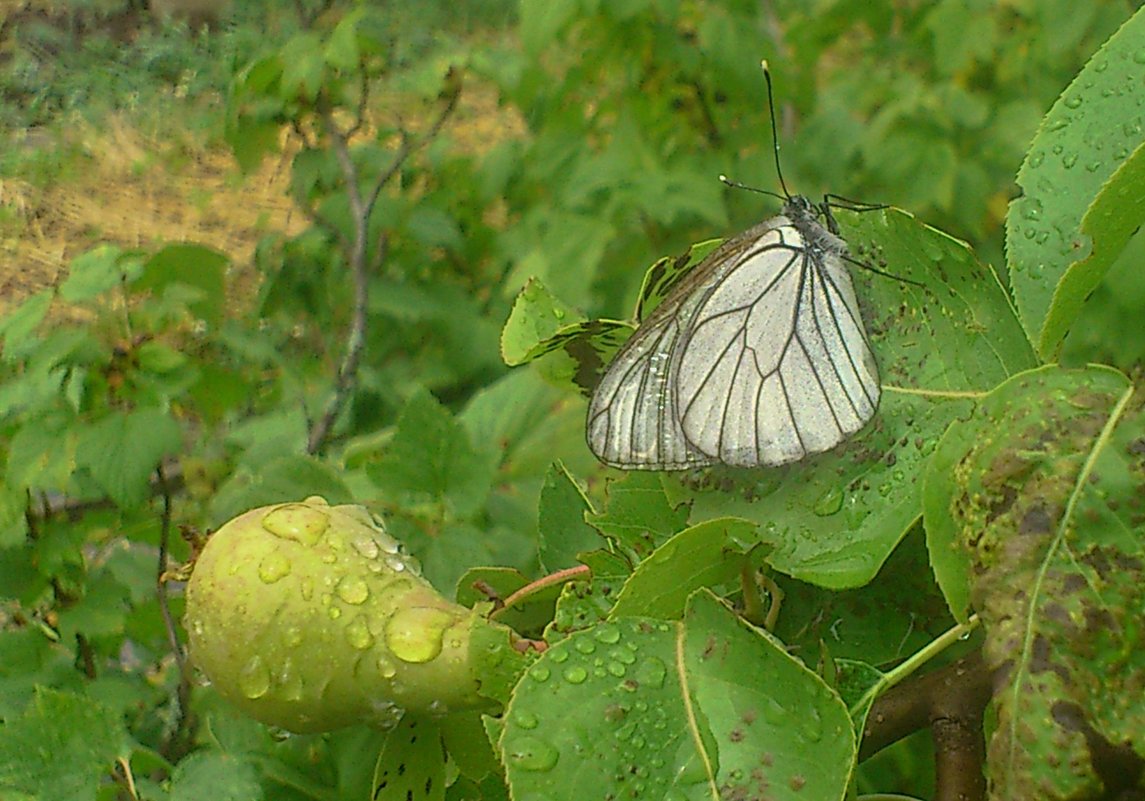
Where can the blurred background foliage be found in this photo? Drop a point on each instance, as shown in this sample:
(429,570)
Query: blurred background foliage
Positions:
(587,143)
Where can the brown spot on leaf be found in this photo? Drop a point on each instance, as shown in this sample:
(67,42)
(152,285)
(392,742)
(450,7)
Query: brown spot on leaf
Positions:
(1036,521)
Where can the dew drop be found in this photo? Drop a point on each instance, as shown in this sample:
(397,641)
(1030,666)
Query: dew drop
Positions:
(607,633)
(575,674)
(829,502)
(540,673)
(811,725)
(1036,158)
(616,669)
(385,715)
(1073,102)
(292,636)
(1033,210)
(622,655)
(585,645)
(273,567)
(366,546)
(526,720)
(290,681)
(1139,57)
(358,634)
(254,678)
(298,522)
(386,668)
(651,672)
(415,635)
(531,753)
(1069,160)
(558,655)
(353,590)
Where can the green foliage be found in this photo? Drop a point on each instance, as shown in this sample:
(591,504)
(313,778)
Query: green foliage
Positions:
(1056,573)
(1079,205)
(150,393)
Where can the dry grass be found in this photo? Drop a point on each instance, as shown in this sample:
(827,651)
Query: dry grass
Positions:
(132,193)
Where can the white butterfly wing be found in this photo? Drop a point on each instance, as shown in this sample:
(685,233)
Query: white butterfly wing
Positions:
(758,358)
(632,419)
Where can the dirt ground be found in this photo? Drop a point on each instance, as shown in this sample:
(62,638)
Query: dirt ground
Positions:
(125,188)
(129,194)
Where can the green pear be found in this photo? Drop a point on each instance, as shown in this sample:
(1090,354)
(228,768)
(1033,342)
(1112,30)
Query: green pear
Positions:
(311,617)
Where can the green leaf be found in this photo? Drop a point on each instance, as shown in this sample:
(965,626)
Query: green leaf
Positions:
(583,603)
(764,709)
(123,450)
(639,514)
(988,433)
(881,622)
(215,775)
(561,521)
(704,555)
(595,709)
(13,521)
(431,460)
(1079,153)
(155,357)
(834,518)
(411,766)
(667,273)
(542,20)
(341,51)
(42,456)
(580,353)
(563,249)
(196,266)
(530,420)
(61,747)
(1045,501)
(18,326)
(536,316)
(855,678)
(468,746)
(303,67)
(1116,214)
(96,271)
(251,140)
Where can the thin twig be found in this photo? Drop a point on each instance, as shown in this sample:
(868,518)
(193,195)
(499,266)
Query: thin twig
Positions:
(177,740)
(362,209)
(161,572)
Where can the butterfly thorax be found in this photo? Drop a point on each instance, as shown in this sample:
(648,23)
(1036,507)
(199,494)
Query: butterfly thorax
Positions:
(808,218)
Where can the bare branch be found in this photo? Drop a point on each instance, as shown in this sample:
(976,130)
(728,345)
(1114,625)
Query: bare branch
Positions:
(951,702)
(361,209)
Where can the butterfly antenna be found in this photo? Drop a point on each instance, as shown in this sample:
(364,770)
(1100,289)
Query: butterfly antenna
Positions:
(774,127)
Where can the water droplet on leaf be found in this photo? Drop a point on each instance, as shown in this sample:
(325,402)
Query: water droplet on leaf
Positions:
(651,672)
(575,674)
(531,753)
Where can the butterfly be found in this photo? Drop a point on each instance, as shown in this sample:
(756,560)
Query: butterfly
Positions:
(757,357)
